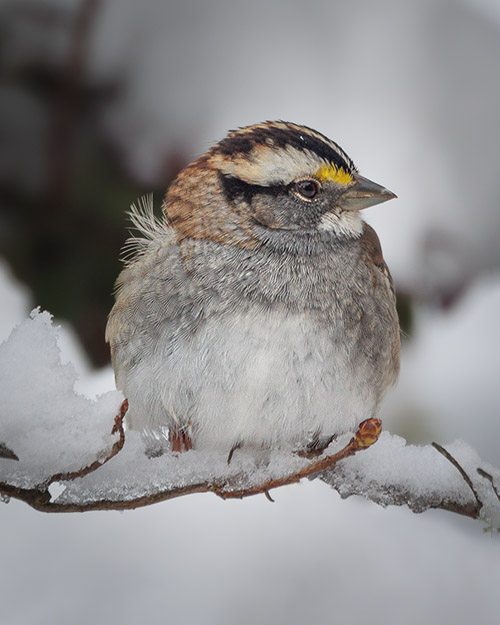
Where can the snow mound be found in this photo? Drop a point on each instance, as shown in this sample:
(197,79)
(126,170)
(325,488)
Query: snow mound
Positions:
(49,427)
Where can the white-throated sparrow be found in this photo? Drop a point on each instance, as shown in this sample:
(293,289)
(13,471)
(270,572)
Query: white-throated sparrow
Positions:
(260,312)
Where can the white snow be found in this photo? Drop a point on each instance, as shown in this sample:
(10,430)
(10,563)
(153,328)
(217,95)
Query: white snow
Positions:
(44,422)
(115,482)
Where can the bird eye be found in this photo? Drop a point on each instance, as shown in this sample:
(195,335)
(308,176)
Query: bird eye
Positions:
(308,189)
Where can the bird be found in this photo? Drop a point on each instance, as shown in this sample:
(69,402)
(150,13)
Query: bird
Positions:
(258,311)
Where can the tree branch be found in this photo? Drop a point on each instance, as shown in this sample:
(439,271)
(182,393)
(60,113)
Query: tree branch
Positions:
(40,498)
(388,473)
(462,472)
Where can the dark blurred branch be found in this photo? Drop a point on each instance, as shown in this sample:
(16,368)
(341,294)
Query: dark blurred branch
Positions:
(67,180)
(60,150)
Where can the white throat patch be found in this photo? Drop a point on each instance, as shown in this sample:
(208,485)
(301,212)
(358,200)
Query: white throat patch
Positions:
(346,223)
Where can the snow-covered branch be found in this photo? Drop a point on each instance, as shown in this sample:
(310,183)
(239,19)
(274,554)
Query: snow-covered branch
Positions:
(62,452)
(452,478)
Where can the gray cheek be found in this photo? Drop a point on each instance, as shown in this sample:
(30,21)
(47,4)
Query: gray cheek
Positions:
(286,212)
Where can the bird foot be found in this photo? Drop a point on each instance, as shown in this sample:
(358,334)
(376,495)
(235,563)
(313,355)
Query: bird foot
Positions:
(179,440)
(233,449)
(316,447)
(366,435)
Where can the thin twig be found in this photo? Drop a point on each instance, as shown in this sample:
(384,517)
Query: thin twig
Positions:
(7,453)
(490,479)
(40,497)
(461,470)
(311,470)
(117,428)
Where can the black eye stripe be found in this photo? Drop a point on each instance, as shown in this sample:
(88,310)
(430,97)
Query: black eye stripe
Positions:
(236,188)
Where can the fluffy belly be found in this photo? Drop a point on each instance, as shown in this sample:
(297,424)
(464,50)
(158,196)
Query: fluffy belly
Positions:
(256,379)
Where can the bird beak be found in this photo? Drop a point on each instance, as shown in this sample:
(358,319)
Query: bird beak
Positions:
(363,193)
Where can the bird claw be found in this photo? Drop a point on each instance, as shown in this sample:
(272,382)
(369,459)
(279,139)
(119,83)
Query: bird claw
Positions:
(233,449)
(180,440)
(268,496)
(316,447)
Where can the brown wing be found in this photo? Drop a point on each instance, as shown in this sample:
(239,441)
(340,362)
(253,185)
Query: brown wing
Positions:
(372,250)
(370,243)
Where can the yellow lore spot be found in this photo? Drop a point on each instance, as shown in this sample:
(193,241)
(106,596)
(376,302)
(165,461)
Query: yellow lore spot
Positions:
(337,174)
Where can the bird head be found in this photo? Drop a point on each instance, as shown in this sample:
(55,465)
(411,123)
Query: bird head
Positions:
(271,180)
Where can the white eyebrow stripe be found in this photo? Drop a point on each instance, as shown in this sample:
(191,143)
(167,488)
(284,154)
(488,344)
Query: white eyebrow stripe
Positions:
(265,165)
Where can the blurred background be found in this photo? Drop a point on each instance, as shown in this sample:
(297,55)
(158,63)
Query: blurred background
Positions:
(104,100)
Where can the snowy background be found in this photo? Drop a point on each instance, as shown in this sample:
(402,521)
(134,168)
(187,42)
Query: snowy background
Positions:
(411,90)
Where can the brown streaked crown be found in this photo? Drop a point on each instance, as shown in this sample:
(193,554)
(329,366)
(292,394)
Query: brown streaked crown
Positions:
(276,152)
